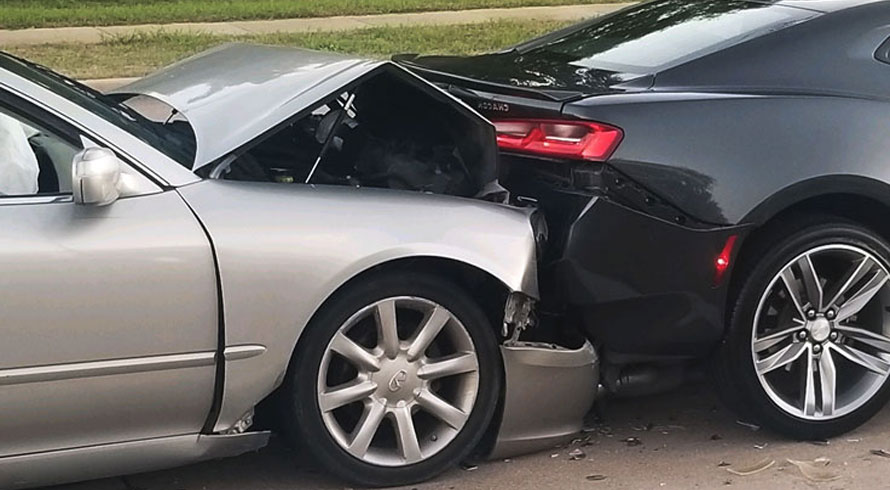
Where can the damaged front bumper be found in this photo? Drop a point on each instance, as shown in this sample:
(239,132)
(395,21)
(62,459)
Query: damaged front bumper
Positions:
(534,371)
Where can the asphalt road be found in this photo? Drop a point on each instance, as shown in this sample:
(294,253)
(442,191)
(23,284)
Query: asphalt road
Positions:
(683,440)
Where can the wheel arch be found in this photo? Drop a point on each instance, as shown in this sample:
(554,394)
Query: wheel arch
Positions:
(485,288)
(822,190)
(860,200)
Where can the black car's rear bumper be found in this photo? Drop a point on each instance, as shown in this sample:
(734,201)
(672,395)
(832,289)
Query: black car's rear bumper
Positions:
(643,288)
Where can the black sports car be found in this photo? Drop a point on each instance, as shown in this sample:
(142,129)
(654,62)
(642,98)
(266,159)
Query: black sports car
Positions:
(716,176)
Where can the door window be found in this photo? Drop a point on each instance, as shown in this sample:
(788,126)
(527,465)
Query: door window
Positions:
(33,159)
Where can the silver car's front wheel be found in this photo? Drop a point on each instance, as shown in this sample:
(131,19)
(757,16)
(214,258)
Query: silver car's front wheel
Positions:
(398,381)
(808,351)
(395,380)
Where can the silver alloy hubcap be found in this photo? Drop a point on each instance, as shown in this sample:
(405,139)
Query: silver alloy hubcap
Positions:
(820,345)
(398,381)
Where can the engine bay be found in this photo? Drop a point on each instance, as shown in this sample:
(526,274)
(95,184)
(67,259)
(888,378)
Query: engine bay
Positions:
(383,132)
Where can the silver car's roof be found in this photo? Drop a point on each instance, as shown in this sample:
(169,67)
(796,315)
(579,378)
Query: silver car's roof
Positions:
(236,92)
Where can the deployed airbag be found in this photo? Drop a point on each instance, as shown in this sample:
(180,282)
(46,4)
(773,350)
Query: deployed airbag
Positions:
(19,169)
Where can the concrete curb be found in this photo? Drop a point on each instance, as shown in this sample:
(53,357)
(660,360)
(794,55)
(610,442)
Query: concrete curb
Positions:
(94,35)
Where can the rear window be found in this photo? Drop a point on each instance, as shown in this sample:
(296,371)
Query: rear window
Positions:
(663,33)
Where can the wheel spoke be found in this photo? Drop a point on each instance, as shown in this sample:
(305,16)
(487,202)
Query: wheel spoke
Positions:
(428,331)
(345,394)
(775,338)
(811,282)
(441,409)
(852,277)
(781,358)
(387,331)
(354,353)
(868,361)
(408,443)
(460,363)
(857,301)
(366,429)
(809,391)
(828,379)
(793,290)
(875,340)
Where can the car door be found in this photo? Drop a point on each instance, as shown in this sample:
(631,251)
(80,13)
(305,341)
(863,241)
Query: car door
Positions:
(108,315)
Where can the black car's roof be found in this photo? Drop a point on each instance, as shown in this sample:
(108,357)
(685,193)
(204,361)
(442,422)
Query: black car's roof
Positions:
(814,46)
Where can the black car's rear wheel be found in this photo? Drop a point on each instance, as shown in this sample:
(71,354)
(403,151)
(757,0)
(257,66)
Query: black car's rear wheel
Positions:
(808,352)
(396,380)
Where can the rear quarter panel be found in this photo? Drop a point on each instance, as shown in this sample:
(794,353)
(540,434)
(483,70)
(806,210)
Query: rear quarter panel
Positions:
(729,159)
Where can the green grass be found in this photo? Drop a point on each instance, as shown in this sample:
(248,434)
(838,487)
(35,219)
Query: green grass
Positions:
(18,14)
(137,55)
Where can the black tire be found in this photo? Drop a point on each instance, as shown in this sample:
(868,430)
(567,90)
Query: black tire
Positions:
(303,417)
(737,381)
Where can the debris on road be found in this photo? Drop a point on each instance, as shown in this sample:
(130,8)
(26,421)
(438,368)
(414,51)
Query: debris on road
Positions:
(820,442)
(633,441)
(577,454)
(880,452)
(816,470)
(761,446)
(716,437)
(723,464)
(597,428)
(595,477)
(749,425)
(469,467)
(761,465)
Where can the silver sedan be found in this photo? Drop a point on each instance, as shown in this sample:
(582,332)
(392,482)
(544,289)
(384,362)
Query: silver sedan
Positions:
(308,234)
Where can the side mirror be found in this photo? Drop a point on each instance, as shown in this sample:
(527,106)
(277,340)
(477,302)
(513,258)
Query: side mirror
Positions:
(96,177)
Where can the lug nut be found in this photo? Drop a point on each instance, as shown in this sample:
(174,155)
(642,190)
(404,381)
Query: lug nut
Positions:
(802,335)
(830,314)
(817,348)
(811,314)
(833,336)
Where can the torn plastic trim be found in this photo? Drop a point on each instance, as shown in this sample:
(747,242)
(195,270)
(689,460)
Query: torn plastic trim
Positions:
(518,316)
(535,371)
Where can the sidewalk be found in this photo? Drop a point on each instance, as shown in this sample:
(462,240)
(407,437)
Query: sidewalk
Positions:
(93,35)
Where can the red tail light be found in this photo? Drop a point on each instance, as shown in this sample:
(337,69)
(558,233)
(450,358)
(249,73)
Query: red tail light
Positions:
(577,140)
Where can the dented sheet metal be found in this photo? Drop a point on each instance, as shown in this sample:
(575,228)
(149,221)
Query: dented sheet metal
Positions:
(237,92)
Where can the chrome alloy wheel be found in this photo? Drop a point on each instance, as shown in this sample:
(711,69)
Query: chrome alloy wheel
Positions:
(398,381)
(820,343)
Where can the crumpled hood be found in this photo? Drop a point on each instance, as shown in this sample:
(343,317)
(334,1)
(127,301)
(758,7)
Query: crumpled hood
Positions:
(236,92)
